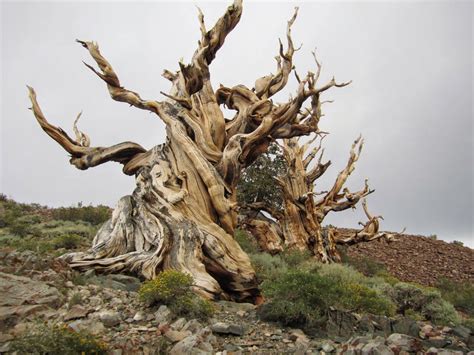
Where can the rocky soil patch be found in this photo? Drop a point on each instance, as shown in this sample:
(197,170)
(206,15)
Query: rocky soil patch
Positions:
(420,259)
(108,307)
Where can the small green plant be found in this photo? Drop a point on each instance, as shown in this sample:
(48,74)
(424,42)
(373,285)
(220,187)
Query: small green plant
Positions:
(57,339)
(173,288)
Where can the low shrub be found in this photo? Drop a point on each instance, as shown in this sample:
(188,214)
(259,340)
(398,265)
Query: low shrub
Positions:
(246,242)
(469,323)
(302,299)
(57,339)
(173,288)
(295,257)
(426,301)
(268,267)
(461,295)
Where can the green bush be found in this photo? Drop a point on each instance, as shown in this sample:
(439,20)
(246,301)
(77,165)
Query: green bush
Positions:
(461,295)
(57,339)
(19,228)
(302,299)
(173,288)
(268,267)
(246,242)
(295,257)
(469,323)
(426,301)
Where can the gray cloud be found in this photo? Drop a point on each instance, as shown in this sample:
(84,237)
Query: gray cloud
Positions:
(411,98)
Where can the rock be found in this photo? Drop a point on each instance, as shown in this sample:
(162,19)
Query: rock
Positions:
(22,296)
(95,301)
(462,332)
(92,326)
(301,341)
(327,348)
(178,324)
(225,328)
(433,350)
(234,307)
(447,330)
(437,342)
(185,346)
(4,348)
(406,325)
(198,343)
(376,349)
(129,283)
(139,316)
(20,329)
(425,331)
(76,311)
(69,284)
(174,336)
(404,342)
(341,324)
(298,334)
(5,337)
(193,326)
(366,325)
(163,314)
(110,318)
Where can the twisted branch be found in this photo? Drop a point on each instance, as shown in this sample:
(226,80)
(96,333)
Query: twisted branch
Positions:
(83,156)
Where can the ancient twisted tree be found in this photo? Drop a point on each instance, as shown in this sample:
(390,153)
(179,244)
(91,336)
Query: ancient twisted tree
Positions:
(183,211)
(298,213)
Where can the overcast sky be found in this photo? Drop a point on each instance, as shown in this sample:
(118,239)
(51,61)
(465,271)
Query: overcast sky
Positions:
(411,97)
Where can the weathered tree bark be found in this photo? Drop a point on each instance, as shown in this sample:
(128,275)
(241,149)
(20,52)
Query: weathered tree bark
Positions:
(183,211)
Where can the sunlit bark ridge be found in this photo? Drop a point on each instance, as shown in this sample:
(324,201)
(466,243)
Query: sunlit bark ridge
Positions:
(183,211)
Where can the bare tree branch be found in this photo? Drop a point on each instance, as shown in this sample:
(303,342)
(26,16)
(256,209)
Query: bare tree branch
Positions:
(83,156)
(269,85)
(117,92)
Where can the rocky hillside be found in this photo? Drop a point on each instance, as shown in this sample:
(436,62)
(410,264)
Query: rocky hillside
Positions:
(106,306)
(45,307)
(415,258)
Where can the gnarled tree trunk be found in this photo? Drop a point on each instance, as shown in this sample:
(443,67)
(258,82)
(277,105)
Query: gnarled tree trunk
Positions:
(183,211)
(302,214)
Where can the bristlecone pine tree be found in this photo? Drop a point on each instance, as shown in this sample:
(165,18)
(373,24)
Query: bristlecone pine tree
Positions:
(183,212)
(298,211)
